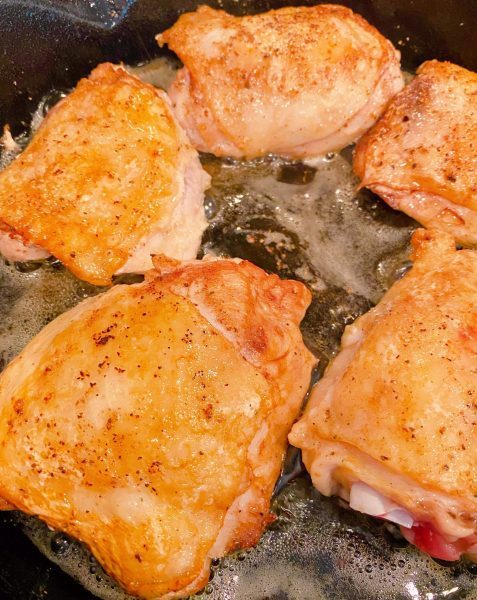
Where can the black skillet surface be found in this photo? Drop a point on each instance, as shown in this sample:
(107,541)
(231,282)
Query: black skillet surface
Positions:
(316,549)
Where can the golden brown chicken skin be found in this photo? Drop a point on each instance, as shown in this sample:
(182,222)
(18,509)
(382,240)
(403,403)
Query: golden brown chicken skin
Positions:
(421,156)
(150,422)
(392,426)
(108,179)
(298,81)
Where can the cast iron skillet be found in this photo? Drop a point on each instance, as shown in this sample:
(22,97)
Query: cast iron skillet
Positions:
(47,44)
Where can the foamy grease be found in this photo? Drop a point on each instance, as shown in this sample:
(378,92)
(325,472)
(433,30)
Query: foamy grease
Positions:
(306,222)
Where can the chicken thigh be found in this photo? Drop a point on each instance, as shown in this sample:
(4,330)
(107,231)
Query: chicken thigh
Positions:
(392,426)
(108,179)
(298,81)
(421,157)
(150,422)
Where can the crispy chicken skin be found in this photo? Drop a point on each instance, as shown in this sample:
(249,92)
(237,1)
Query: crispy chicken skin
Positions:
(421,156)
(151,421)
(108,179)
(298,81)
(392,426)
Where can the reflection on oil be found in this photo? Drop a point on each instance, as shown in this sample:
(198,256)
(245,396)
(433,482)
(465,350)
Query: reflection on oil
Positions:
(315,550)
(299,221)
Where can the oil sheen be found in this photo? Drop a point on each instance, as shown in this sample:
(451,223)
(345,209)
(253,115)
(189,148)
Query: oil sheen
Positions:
(306,222)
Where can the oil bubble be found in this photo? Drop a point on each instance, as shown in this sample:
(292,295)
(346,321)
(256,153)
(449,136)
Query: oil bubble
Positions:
(60,543)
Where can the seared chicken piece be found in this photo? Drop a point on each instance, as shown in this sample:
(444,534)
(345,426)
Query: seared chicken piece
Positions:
(421,157)
(151,421)
(14,248)
(298,81)
(108,179)
(392,426)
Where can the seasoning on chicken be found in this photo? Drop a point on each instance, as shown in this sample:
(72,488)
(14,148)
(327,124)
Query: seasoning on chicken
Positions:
(150,422)
(421,157)
(298,81)
(392,426)
(108,179)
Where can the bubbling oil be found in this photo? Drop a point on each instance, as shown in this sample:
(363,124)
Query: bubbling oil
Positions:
(315,550)
(31,295)
(300,221)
